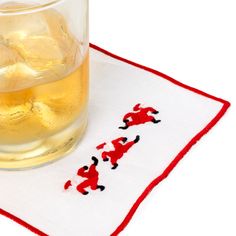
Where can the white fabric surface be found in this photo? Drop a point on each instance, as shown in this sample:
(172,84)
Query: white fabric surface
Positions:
(37,196)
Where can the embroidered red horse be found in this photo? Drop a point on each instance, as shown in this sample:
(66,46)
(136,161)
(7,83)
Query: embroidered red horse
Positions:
(121,146)
(139,116)
(91,176)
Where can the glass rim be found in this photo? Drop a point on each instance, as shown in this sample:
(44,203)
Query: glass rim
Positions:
(29,9)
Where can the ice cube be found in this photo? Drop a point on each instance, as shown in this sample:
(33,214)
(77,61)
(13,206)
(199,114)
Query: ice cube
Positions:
(7,56)
(46,50)
(40,52)
(17,76)
(68,43)
(45,115)
(15,28)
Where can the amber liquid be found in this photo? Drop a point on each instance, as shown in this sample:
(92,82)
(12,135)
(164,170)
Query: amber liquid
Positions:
(43,89)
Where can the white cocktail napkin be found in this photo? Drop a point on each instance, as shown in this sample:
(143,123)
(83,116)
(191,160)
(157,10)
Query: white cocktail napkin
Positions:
(141,123)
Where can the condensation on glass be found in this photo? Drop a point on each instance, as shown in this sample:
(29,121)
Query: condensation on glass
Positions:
(44,63)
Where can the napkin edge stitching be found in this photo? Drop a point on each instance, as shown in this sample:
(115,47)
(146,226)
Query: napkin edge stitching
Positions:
(22,223)
(158,73)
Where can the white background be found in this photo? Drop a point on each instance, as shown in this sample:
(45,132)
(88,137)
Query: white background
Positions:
(195,43)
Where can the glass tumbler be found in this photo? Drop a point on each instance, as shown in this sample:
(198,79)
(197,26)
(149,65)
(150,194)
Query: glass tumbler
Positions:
(44,63)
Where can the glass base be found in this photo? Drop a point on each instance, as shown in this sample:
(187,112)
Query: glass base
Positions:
(41,152)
